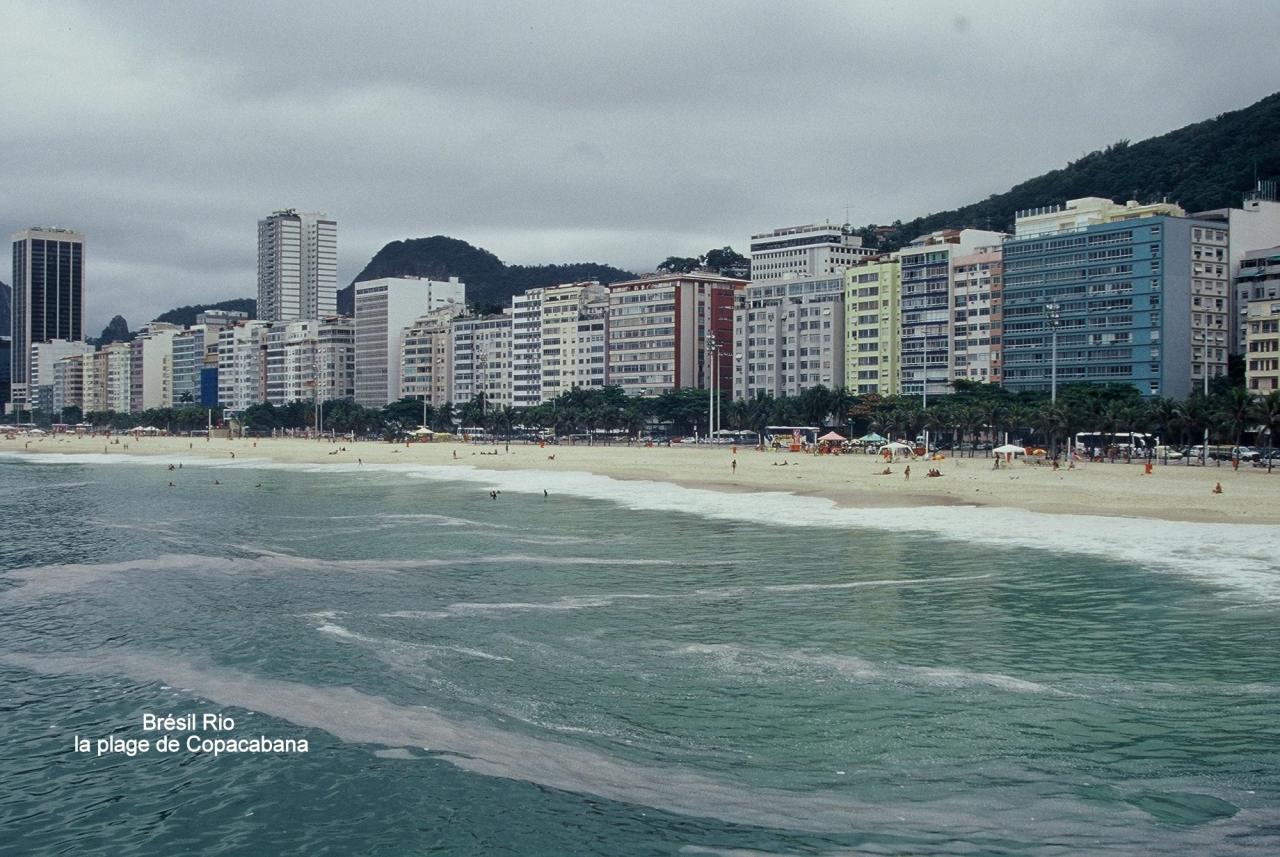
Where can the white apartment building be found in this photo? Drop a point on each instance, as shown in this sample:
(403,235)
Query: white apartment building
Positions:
(151,378)
(42,361)
(311,360)
(975,322)
(241,365)
(526,348)
(384,308)
(68,383)
(426,357)
(297,266)
(481,359)
(926,306)
(659,328)
(789,336)
(1253,226)
(115,377)
(574,322)
(804,251)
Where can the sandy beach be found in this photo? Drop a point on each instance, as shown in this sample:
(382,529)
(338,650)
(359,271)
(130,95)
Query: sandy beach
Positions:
(1173,492)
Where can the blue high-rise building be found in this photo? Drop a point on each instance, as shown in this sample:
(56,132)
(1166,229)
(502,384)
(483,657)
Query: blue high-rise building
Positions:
(1138,295)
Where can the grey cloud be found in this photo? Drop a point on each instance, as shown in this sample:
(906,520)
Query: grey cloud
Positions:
(565,131)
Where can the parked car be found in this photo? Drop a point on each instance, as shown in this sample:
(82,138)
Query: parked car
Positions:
(1245,453)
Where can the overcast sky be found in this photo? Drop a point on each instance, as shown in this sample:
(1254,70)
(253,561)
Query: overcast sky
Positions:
(616,132)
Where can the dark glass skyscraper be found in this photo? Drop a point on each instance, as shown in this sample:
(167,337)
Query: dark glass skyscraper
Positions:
(48,297)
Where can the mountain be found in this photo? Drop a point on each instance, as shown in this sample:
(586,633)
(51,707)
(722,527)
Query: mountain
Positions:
(117,330)
(1206,165)
(490,282)
(186,315)
(6,299)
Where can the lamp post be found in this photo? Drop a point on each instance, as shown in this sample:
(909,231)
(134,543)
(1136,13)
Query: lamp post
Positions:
(711,387)
(1054,312)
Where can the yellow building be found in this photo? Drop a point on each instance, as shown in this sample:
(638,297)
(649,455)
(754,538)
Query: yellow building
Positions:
(1262,344)
(873,316)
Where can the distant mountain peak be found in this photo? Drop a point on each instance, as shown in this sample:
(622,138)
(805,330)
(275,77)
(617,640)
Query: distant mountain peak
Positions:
(490,281)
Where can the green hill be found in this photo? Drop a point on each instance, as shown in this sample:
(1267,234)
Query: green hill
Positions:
(1206,165)
(490,282)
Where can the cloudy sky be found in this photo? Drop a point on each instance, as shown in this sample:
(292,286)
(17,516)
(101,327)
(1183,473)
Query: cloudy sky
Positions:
(618,132)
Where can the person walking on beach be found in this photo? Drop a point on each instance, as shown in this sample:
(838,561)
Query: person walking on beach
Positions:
(907,474)
(734,465)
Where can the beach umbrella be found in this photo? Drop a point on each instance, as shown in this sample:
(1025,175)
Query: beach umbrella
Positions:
(831,435)
(1009,449)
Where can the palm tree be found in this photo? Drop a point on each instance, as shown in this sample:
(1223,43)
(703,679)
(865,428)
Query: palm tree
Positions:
(1238,410)
(1269,414)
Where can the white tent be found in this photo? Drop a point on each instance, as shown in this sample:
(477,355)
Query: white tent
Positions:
(422,432)
(1009,449)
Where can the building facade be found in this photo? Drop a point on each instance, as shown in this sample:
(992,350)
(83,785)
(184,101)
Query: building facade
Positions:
(297,266)
(659,329)
(873,321)
(804,251)
(47,299)
(927,288)
(310,361)
(573,337)
(242,365)
(481,359)
(1138,294)
(1262,347)
(526,348)
(1253,226)
(976,316)
(789,336)
(384,308)
(426,357)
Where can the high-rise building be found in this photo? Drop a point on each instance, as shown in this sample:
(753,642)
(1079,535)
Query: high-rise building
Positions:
(426,362)
(526,348)
(48,298)
(660,327)
(384,309)
(1253,226)
(297,266)
(242,365)
(1262,346)
(574,322)
(804,251)
(1137,294)
(481,359)
(788,335)
(926,306)
(310,361)
(975,322)
(873,316)
(44,360)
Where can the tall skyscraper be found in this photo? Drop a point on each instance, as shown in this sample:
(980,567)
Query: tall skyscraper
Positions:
(297,266)
(48,297)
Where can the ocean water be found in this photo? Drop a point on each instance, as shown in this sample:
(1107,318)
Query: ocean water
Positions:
(620,669)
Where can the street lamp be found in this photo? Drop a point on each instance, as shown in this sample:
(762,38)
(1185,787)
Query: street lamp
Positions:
(1054,312)
(711,387)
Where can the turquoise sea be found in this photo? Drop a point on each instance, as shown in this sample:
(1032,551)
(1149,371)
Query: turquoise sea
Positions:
(620,669)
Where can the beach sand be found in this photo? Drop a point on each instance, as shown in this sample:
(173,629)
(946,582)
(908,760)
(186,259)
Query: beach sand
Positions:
(1174,492)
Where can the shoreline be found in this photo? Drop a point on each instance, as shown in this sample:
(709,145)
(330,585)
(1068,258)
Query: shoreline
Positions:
(1173,492)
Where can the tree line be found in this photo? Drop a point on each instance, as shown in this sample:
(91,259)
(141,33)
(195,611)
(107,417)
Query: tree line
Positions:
(972,413)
